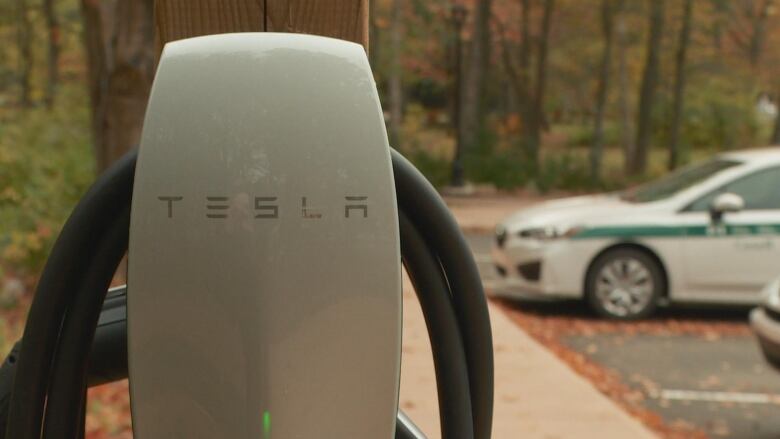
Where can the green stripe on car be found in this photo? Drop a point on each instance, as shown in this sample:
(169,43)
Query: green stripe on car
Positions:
(655,231)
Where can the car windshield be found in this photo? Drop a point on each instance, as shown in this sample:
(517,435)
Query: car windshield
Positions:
(676,181)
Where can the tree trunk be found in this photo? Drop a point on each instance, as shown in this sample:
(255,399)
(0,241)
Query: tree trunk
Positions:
(523,83)
(536,121)
(394,80)
(24,42)
(120,50)
(53,51)
(775,140)
(626,137)
(775,137)
(373,32)
(758,37)
(525,43)
(720,19)
(596,152)
(518,79)
(472,110)
(679,84)
(647,92)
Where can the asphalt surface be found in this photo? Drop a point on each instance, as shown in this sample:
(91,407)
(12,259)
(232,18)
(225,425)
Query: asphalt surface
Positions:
(722,386)
(716,381)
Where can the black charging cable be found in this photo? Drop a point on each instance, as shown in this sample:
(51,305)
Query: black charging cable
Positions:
(51,369)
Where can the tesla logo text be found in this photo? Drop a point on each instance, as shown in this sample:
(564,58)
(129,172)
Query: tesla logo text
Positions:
(216,207)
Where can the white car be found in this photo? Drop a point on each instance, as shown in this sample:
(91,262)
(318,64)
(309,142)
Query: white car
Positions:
(709,232)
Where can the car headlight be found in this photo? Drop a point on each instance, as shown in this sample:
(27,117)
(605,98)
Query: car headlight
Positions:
(549,233)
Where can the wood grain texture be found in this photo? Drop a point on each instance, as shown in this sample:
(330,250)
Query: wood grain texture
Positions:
(344,19)
(178,19)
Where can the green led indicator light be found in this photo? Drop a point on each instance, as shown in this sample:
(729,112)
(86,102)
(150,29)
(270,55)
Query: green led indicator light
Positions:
(267,424)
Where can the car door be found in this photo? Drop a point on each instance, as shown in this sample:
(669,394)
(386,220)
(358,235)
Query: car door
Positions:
(735,257)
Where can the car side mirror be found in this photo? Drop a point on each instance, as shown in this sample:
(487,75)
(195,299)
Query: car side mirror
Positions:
(725,202)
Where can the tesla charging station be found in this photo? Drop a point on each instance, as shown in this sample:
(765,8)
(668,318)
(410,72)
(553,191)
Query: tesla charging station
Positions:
(276,221)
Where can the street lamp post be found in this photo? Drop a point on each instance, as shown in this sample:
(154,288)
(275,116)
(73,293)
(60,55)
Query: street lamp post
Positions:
(458,15)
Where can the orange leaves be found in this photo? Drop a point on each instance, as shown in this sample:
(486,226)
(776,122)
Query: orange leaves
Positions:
(108,412)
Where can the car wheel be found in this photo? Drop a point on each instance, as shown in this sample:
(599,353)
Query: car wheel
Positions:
(624,284)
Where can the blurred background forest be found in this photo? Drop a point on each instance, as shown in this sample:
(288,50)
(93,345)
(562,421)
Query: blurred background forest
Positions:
(539,95)
(531,95)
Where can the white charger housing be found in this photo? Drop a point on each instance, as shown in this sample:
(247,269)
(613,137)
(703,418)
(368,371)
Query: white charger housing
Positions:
(264,201)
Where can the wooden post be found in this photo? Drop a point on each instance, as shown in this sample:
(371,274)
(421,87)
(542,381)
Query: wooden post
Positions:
(178,19)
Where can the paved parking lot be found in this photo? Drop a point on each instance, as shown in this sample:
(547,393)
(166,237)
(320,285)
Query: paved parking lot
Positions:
(688,372)
(719,385)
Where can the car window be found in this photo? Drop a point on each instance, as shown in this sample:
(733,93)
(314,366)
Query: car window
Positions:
(760,191)
(677,181)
